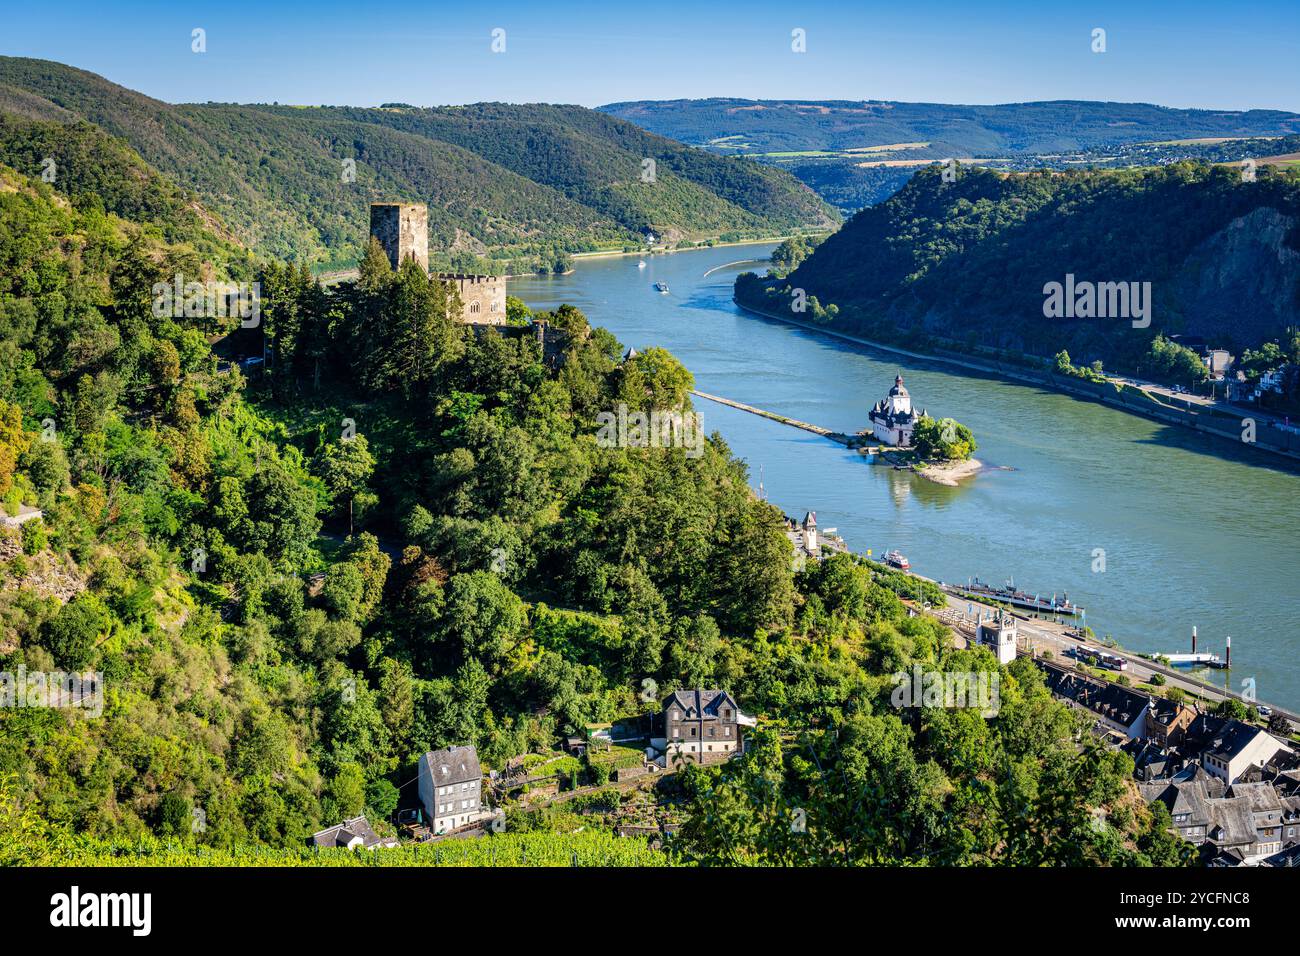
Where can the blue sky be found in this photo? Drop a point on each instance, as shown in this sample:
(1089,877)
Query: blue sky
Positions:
(1184,54)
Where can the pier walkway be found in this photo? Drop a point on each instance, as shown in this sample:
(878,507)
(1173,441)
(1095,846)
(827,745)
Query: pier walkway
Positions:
(850,441)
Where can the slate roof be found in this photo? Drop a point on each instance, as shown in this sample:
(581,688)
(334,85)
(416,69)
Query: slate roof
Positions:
(1164,711)
(343,833)
(1287,857)
(1191,797)
(1263,798)
(1233,738)
(1112,701)
(700,704)
(454,765)
(1233,821)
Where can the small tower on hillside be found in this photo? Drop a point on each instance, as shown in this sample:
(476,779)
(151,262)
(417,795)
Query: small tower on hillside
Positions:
(402,230)
(810,533)
(999,634)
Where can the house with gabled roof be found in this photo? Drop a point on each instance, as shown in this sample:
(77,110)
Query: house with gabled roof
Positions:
(1116,708)
(1236,747)
(702,726)
(1167,721)
(351,834)
(451,788)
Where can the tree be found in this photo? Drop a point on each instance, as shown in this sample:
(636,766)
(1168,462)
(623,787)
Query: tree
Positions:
(484,617)
(348,790)
(346,467)
(14,442)
(174,816)
(71,635)
(1232,708)
(382,798)
(517,312)
(942,439)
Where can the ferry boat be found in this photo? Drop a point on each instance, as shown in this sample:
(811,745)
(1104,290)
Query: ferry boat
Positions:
(661,287)
(895,559)
(1010,594)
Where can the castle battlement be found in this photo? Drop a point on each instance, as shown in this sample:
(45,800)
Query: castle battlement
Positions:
(464,277)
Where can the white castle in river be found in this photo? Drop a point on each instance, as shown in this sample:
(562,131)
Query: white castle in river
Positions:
(893,418)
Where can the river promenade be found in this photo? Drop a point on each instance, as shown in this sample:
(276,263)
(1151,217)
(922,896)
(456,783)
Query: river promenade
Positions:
(1218,419)
(1039,635)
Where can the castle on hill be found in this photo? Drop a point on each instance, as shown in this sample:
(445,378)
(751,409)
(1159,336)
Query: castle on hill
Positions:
(402,230)
(893,418)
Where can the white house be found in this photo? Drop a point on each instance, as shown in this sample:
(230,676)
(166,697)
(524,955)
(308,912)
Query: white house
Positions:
(451,785)
(351,834)
(1236,748)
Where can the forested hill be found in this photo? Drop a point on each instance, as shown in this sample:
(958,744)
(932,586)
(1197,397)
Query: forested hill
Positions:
(968,260)
(403,536)
(521,185)
(756,126)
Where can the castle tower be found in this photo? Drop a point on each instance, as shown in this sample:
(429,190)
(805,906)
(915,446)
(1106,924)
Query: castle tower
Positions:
(403,231)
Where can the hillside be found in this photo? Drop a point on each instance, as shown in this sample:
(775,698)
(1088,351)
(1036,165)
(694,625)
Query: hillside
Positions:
(489,572)
(764,126)
(520,185)
(98,171)
(968,261)
(856,154)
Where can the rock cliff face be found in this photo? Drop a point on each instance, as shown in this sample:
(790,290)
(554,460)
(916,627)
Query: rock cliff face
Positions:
(1244,277)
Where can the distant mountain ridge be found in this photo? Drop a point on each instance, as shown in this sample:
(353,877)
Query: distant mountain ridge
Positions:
(507,186)
(756,126)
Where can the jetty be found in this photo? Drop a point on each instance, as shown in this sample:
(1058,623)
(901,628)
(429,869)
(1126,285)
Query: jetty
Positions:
(849,441)
(1192,660)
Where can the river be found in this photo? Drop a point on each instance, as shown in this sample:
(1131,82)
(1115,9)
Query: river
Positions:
(1192,530)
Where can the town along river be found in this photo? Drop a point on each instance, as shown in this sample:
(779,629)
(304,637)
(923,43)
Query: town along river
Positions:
(1195,531)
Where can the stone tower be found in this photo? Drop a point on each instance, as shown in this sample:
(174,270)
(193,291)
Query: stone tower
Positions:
(403,231)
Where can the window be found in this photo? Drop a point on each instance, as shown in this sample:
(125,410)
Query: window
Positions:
(726,731)
(676,715)
(494,307)
(713,731)
(692,731)
(473,306)
(726,712)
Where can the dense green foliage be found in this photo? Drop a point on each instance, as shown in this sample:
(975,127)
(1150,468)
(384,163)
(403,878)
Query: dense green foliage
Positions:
(509,188)
(403,535)
(788,256)
(942,439)
(967,263)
